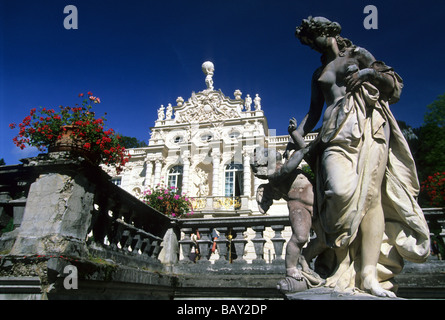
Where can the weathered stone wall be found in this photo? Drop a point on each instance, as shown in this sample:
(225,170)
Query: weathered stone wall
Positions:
(57,216)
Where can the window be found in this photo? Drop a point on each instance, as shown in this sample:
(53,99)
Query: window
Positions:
(234,134)
(178,139)
(206,137)
(174,178)
(233,185)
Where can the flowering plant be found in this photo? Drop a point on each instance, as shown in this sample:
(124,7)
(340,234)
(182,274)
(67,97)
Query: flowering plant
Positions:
(434,186)
(167,201)
(43,129)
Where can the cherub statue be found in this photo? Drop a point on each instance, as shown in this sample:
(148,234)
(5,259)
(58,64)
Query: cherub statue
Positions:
(288,182)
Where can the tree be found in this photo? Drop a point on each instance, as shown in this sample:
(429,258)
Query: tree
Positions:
(131,142)
(430,157)
(436,112)
(2,162)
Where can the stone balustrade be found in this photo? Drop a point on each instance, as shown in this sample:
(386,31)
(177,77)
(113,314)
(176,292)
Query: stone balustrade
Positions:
(65,206)
(240,246)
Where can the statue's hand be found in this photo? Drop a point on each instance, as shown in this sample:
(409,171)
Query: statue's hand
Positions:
(354,80)
(292,125)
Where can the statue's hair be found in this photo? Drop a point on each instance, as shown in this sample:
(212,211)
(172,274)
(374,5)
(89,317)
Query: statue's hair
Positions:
(313,27)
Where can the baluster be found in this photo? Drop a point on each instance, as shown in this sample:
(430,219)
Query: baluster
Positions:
(115,235)
(239,243)
(222,244)
(137,243)
(204,244)
(156,243)
(100,222)
(258,243)
(278,242)
(186,244)
(147,248)
(126,240)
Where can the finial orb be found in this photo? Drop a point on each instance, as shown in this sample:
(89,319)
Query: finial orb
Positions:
(208,67)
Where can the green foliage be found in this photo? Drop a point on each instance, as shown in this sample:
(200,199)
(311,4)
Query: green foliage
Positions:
(436,112)
(9,227)
(431,155)
(307,170)
(131,142)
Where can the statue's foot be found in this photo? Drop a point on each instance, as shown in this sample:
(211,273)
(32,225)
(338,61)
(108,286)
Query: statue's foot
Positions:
(290,285)
(294,273)
(372,285)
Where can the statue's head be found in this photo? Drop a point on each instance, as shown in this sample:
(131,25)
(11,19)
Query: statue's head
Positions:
(264,161)
(314,27)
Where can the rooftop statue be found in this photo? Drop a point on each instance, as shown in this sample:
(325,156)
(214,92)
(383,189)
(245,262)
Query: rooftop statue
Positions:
(365,177)
(208,68)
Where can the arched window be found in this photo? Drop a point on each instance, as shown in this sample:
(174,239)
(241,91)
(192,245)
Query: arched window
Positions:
(233,184)
(174,178)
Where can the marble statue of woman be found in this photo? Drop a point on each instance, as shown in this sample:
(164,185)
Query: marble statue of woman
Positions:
(161,114)
(248,103)
(257,102)
(366,181)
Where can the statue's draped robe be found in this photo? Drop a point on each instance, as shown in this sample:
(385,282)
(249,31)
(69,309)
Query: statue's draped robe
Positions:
(350,149)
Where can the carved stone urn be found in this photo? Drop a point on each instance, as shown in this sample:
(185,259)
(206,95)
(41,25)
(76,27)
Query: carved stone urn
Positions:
(75,145)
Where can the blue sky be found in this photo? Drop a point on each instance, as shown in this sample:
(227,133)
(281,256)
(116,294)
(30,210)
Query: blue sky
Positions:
(138,54)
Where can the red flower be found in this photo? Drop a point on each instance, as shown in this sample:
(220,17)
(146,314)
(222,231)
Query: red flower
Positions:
(41,128)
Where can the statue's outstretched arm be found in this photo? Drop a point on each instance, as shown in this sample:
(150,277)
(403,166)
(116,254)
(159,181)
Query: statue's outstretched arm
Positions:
(289,166)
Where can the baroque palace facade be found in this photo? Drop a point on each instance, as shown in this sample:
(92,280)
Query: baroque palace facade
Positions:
(203,147)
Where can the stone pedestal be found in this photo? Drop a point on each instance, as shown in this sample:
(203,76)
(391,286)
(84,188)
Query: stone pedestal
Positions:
(56,217)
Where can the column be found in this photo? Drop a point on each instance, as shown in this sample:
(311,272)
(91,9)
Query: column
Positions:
(216,162)
(246,173)
(148,172)
(186,170)
(158,168)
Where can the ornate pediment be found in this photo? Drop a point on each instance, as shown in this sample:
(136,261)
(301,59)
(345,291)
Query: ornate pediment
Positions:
(208,106)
